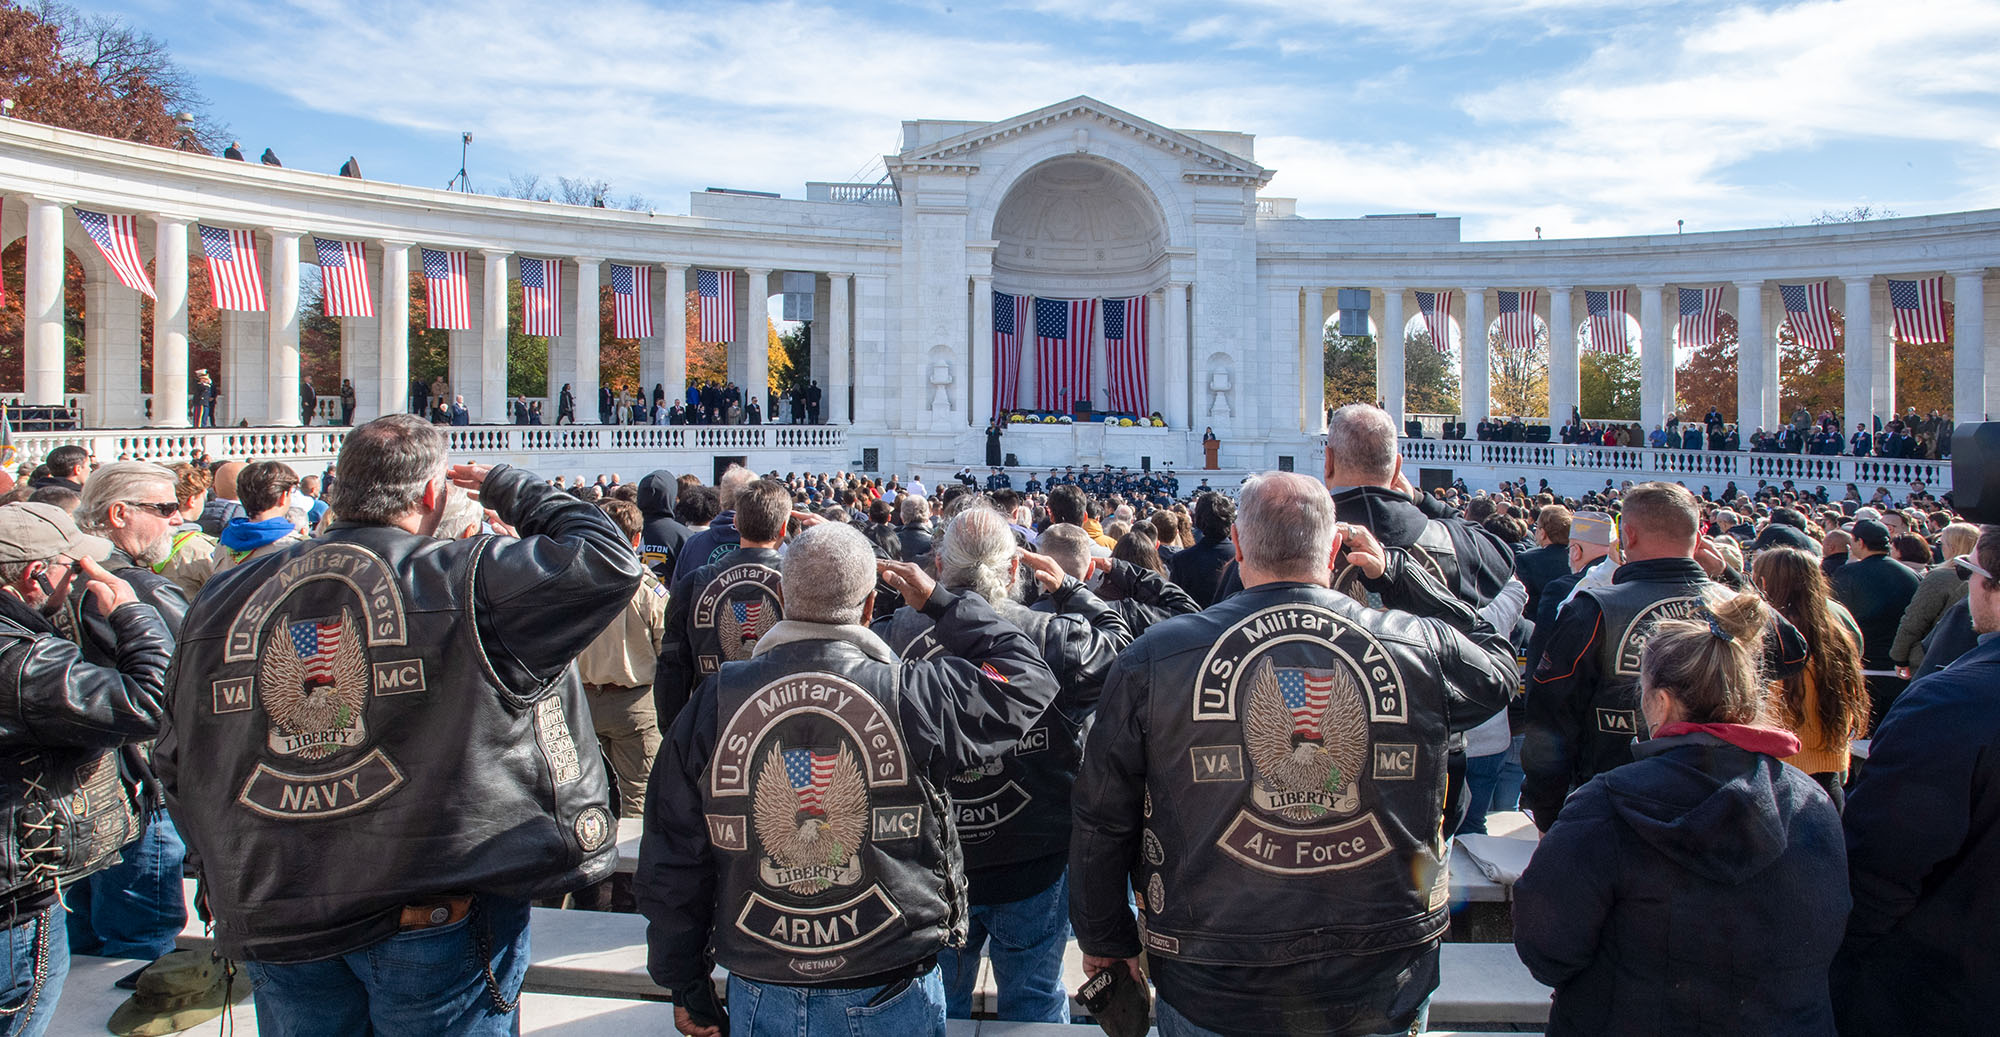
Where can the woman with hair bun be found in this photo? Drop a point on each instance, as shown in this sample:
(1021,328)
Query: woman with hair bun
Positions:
(1702,888)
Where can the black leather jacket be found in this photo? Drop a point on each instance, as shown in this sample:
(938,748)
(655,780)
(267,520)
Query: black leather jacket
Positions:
(1013,811)
(715,615)
(99,642)
(62,721)
(375,717)
(1269,776)
(796,823)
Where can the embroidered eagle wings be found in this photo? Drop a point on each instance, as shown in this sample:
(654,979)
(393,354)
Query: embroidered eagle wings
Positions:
(1324,769)
(326,707)
(797,838)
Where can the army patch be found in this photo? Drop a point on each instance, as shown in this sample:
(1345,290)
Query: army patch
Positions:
(817,931)
(811,818)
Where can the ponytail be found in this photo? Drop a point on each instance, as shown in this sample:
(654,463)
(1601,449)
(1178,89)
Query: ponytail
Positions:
(1711,664)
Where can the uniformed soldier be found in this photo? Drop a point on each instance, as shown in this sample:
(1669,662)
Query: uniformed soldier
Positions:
(618,670)
(1034,485)
(716,612)
(796,827)
(999,480)
(1265,775)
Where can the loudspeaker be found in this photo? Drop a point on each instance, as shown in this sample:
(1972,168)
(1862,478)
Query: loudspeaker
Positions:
(1012,461)
(1975,470)
(1284,462)
(1145,462)
(1429,479)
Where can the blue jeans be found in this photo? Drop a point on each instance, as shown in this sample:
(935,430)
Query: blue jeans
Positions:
(1026,940)
(1507,790)
(422,982)
(769,1010)
(135,908)
(1491,783)
(32,1004)
(1174,1024)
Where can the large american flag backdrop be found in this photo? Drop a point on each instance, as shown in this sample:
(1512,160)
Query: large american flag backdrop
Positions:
(1125,351)
(118,238)
(1010,317)
(1607,320)
(447,295)
(1919,309)
(717,291)
(1701,317)
(1807,310)
(343,278)
(1436,308)
(233,279)
(632,301)
(541,296)
(1062,350)
(1517,320)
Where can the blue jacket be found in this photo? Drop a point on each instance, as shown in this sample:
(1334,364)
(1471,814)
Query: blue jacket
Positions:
(1923,847)
(1699,890)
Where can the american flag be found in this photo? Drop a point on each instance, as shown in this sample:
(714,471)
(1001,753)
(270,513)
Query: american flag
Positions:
(316,642)
(1919,309)
(747,615)
(810,772)
(344,278)
(1306,694)
(1701,316)
(632,301)
(1517,320)
(541,296)
(1062,350)
(1607,320)
(447,293)
(118,238)
(1125,349)
(232,268)
(1010,314)
(1436,308)
(717,291)
(1810,316)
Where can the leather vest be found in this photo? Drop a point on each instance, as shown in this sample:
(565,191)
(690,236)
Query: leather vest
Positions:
(70,815)
(357,750)
(835,853)
(735,602)
(1630,610)
(1433,550)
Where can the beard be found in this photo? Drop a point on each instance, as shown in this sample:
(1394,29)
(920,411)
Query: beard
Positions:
(152,554)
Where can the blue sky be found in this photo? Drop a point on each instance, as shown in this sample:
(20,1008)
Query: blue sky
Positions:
(1580,117)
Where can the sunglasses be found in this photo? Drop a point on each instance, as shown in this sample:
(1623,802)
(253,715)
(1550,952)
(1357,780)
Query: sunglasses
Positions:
(1966,563)
(166,510)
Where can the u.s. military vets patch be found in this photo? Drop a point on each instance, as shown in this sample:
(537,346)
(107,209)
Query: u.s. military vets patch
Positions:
(1279,691)
(1632,640)
(740,605)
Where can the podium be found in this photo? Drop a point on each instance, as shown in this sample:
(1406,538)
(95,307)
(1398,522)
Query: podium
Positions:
(1209,449)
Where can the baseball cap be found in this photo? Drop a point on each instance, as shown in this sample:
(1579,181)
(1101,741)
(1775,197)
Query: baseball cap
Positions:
(1871,534)
(35,532)
(1593,527)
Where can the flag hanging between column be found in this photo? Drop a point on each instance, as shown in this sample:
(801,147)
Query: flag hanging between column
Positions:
(1062,350)
(1919,309)
(541,296)
(717,292)
(233,279)
(343,278)
(632,301)
(117,237)
(1125,349)
(1809,314)
(447,294)
(1701,317)
(1607,320)
(1010,316)
(1436,308)
(1517,319)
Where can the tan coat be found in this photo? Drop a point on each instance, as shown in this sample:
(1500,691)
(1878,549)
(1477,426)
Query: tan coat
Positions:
(624,655)
(192,561)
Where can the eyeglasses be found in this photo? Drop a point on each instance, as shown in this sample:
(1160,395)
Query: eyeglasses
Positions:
(1965,562)
(166,510)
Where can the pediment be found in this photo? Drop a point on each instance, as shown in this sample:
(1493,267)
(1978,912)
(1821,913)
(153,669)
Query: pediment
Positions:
(1202,161)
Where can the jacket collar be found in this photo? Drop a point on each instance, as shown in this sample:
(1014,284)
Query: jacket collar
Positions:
(1659,569)
(793,631)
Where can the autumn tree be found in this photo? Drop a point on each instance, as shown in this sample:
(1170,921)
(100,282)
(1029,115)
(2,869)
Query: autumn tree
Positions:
(1709,376)
(1608,386)
(1349,370)
(1519,378)
(1430,377)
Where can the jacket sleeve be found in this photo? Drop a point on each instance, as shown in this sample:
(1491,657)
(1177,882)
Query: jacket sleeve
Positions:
(1476,666)
(674,676)
(56,698)
(1558,693)
(965,708)
(544,597)
(1153,595)
(1785,649)
(1925,607)
(675,881)
(1108,804)
(1085,637)
(1484,563)
(1563,898)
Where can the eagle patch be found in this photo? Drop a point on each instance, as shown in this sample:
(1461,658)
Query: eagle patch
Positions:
(314,678)
(811,816)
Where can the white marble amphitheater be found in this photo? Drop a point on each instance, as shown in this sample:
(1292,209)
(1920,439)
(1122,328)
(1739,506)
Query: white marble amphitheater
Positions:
(1076,200)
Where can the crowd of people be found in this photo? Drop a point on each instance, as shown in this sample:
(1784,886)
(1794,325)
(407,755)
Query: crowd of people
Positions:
(875,730)
(1909,436)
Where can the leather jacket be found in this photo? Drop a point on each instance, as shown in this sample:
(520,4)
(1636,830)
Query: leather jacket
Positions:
(796,822)
(1269,775)
(375,717)
(1143,597)
(715,615)
(1013,811)
(1471,561)
(99,641)
(62,721)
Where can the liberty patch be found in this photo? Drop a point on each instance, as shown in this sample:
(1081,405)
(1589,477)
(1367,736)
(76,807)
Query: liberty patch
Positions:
(1307,736)
(740,605)
(315,682)
(811,816)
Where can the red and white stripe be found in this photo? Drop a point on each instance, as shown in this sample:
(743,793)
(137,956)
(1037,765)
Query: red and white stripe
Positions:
(1924,323)
(1517,326)
(541,297)
(233,278)
(1607,329)
(1319,692)
(1437,320)
(1064,360)
(447,291)
(632,312)
(1126,360)
(1007,348)
(718,307)
(343,274)
(117,236)
(1812,324)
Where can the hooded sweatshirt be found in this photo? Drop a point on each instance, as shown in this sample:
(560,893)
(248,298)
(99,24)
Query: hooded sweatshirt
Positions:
(1700,889)
(660,543)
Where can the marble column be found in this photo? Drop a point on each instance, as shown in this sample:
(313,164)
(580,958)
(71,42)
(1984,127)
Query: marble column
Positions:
(1756,360)
(1969,383)
(984,371)
(1181,406)
(1312,362)
(1389,358)
(1475,392)
(1656,358)
(170,322)
(1565,377)
(754,335)
(281,348)
(392,321)
(839,344)
(588,329)
(110,352)
(1860,337)
(673,332)
(493,398)
(42,305)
